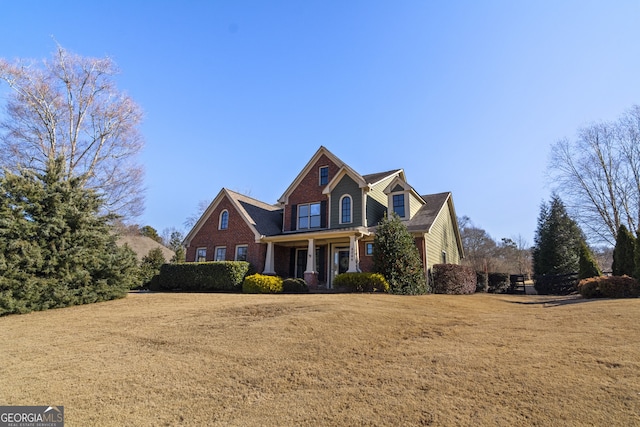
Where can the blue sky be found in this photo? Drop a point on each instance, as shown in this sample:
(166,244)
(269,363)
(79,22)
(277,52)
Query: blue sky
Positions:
(465,96)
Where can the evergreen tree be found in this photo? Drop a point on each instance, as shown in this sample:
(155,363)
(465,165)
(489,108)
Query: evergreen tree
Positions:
(150,232)
(175,244)
(55,249)
(636,257)
(624,253)
(150,265)
(588,265)
(396,257)
(557,241)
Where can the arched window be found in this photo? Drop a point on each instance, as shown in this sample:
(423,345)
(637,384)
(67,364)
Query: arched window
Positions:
(345,209)
(224,220)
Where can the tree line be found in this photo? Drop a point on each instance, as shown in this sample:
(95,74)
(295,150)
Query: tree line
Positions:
(485,254)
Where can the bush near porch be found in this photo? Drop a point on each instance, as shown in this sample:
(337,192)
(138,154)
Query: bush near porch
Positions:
(361,282)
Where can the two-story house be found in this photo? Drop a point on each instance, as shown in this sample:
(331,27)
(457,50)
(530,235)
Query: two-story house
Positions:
(324,223)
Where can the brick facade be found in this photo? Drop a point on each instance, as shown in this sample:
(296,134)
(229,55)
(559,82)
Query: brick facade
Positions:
(237,233)
(309,189)
(366,261)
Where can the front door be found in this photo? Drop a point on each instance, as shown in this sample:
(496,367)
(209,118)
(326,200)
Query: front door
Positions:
(301,263)
(339,262)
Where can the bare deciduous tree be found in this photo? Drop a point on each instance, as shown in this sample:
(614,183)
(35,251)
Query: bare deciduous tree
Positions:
(484,254)
(69,106)
(598,176)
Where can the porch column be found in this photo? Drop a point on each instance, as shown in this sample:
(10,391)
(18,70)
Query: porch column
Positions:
(268,263)
(310,274)
(311,257)
(354,255)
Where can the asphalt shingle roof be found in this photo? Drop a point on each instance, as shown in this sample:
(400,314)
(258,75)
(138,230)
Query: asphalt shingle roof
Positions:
(266,218)
(425,217)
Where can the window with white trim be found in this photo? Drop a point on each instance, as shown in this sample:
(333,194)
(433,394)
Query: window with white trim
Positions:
(201,254)
(221,253)
(224,220)
(398,205)
(324,175)
(368,248)
(309,216)
(345,209)
(241,252)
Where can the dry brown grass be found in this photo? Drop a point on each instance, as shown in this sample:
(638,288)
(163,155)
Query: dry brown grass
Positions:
(219,359)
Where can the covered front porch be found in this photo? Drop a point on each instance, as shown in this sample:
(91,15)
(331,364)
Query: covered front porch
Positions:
(317,256)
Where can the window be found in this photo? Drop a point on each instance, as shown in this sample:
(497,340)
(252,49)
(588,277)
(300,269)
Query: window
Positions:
(368,248)
(224,220)
(221,253)
(309,216)
(241,253)
(345,210)
(398,204)
(324,175)
(201,254)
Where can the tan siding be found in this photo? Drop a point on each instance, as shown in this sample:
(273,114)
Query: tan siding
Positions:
(414,205)
(442,237)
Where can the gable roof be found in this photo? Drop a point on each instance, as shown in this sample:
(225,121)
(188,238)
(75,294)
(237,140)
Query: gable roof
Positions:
(424,219)
(321,151)
(263,219)
(345,171)
(374,178)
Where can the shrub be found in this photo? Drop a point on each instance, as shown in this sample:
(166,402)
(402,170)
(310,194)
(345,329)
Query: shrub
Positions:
(561,284)
(294,286)
(482,281)
(361,282)
(150,267)
(609,287)
(453,279)
(201,276)
(498,283)
(262,284)
(397,258)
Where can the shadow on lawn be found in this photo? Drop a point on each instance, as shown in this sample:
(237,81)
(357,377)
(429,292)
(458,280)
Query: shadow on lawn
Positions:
(557,301)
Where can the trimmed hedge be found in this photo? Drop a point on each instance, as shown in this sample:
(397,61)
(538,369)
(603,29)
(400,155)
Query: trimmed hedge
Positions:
(262,284)
(361,282)
(609,287)
(294,286)
(482,281)
(453,279)
(201,276)
(498,283)
(563,284)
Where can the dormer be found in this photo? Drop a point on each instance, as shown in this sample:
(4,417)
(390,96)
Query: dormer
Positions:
(402,199)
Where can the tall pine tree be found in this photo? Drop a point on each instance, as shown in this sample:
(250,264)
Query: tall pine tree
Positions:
(55,248)
(396,257)
(557,241)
